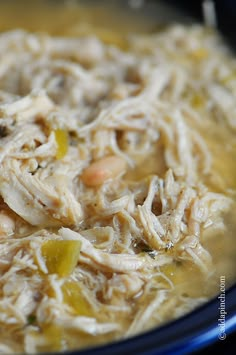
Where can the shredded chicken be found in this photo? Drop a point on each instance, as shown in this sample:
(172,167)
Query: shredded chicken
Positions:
(108,183)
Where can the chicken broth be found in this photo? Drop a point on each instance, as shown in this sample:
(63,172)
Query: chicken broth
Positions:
(117,174)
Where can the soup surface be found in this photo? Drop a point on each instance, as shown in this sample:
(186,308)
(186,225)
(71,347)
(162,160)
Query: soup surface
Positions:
(117,174)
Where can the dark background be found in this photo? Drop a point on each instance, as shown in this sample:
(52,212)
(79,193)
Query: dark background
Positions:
(223,347)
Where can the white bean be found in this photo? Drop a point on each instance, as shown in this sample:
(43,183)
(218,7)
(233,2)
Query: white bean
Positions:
(102,170)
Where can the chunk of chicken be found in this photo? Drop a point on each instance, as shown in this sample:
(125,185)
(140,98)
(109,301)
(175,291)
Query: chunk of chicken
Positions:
(97,258)
(7,224)
(191,249)
(16,140)
(34,200)
(128,285)
(37,102)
